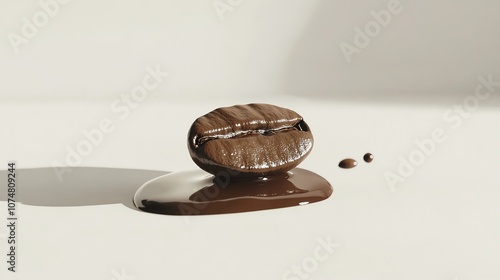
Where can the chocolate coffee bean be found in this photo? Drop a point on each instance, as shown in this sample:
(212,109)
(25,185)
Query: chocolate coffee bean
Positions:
(249,140)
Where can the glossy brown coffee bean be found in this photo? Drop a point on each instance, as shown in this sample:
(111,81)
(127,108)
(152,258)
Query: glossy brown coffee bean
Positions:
(249,140)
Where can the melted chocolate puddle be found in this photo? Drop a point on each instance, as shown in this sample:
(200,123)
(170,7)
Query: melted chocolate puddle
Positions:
(197,193)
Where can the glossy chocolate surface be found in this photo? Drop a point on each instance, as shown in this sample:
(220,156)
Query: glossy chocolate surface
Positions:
(199,193)
(249,140)
(368,157)
(348,163)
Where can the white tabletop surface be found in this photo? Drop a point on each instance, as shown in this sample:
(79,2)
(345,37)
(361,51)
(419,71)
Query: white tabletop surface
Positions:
(441,223)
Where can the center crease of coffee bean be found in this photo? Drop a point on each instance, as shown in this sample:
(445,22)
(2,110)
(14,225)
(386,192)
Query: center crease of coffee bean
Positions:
(239,134)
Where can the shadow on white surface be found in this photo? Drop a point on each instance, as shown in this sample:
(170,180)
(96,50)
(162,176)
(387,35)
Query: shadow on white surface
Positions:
(83,186)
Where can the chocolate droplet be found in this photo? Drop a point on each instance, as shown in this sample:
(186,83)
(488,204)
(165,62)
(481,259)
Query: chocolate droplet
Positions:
(368,157)
(348,163)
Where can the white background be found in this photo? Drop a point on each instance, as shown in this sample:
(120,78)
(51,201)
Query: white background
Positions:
(90,49)
(440,223)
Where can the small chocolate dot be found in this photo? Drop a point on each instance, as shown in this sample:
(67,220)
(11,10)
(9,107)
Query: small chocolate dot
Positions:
(348,163)
(368,157)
